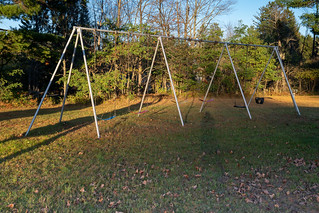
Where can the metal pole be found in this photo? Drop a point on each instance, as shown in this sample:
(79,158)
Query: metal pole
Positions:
(171,37)
(69,77)
(51,80)
(283,70)
(89,84)
(211,80)
(172,84)
(148,78)
(241,91)
(262,75)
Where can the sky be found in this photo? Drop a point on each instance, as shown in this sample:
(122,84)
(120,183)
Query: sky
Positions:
(244,10)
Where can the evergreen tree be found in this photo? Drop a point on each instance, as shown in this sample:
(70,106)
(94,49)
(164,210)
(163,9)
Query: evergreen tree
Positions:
(13,9)
(310,20)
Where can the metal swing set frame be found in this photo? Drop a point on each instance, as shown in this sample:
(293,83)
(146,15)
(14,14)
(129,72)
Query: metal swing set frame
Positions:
(79,36)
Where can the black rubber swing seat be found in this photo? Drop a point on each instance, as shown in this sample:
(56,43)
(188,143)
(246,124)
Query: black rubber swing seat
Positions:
(259,100)
(239,106)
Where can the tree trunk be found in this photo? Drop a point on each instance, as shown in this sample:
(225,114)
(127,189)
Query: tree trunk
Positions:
(314,85)
(186,20)
(195,19)
(140,70)
(178,21)
(118,21)
(314,54)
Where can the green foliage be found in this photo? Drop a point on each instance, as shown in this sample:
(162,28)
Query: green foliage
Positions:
(10,90)
(14,9)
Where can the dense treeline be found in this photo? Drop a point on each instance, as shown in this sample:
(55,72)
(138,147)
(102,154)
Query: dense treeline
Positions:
(119,64)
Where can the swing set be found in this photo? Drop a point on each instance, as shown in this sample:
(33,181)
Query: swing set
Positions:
(79,36)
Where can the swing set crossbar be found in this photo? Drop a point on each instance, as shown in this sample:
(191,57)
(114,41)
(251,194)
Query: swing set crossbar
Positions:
(171,37)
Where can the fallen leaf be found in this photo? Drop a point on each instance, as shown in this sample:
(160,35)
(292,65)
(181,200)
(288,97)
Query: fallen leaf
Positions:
(248,200)
(80,153)
(318,198)
(265,191)
(102,185)
(198,176)
(276,205)
(68,203)
(288,193)
(199,169)
(82,190)
(194,187)
(11,205)
(185,176)
(267,181)
(272,196)
(231,152)
(36,191)
(111,204)
(101,199)
(144,182)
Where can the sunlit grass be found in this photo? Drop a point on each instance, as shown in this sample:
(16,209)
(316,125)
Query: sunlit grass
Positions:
(220,161)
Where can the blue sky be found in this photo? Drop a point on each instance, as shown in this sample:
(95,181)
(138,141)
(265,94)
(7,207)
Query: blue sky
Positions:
(244,10)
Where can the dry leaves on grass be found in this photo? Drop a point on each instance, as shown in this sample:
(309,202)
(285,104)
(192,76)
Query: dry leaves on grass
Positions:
(11,206)
(82,190)
(114,204)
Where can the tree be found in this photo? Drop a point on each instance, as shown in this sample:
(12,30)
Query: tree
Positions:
(277,26)
(13,9)
(310,20)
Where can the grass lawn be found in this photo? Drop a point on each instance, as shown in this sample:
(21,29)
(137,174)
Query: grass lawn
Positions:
(221,161)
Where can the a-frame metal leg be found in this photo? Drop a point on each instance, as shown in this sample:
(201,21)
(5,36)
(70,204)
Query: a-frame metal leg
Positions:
(262,75)
(211,80)
(69,77)
(241,91)
(148,78)
(171,80)
(89,83)
(283,70)
(51,80)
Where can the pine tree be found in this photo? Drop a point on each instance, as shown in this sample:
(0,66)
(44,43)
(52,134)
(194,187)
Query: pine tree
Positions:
(310,20)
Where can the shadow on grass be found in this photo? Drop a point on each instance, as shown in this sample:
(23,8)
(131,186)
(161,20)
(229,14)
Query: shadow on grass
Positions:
(189,110)
(30,112)
(65,127)
(44,143)
(209,143)
(131,108)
